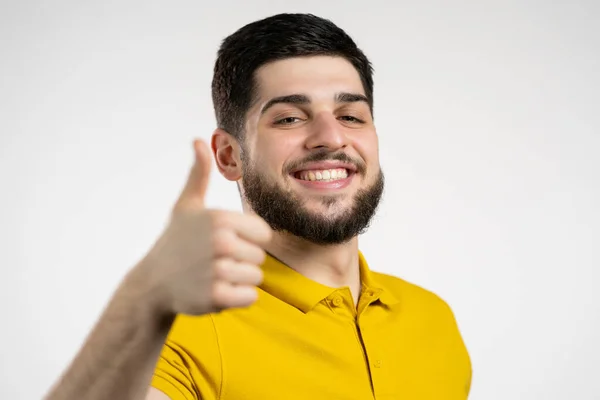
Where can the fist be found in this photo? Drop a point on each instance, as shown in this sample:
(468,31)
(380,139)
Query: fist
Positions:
(205,260)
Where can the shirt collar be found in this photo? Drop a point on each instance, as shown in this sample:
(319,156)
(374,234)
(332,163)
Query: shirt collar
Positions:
(291,286)
(303,293)
(369,282)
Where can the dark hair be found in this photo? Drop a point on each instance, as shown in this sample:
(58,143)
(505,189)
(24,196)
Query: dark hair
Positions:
(275,38)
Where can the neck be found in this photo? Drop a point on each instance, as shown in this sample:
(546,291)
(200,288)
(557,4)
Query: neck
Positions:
(334,265)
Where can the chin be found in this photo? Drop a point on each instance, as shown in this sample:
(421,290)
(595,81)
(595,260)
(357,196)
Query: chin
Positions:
(327,211)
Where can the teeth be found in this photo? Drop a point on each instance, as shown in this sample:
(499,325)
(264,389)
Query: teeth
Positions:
(324,175)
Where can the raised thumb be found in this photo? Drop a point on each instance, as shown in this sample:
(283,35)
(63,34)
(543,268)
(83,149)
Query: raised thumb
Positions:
(192,196)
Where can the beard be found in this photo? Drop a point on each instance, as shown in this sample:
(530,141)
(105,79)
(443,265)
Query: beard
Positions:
(284,211)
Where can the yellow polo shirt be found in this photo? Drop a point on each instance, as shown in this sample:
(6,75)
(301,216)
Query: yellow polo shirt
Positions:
(303,340)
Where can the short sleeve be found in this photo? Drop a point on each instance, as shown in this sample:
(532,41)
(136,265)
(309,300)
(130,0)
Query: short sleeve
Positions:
(189,366)
(171,376)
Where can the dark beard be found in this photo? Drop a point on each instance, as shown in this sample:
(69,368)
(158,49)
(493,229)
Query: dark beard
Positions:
(283,211)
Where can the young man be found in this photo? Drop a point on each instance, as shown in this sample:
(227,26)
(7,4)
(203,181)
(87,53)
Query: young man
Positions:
(276,302)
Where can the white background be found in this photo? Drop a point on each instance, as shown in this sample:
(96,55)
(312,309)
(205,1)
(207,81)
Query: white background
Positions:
(488,116)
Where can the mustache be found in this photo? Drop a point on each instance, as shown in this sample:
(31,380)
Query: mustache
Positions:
(326,155)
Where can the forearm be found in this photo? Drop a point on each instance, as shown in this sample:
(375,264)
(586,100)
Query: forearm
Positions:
(119,356)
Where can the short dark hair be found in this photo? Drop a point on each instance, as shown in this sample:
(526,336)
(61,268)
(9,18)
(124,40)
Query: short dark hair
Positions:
(275,38)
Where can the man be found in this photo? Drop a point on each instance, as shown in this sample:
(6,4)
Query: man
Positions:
(276,302)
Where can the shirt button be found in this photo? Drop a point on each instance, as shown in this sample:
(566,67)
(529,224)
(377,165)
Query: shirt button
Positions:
(377,363)
(337,301)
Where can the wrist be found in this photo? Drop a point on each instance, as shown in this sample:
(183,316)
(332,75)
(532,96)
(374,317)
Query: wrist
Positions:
(144,290)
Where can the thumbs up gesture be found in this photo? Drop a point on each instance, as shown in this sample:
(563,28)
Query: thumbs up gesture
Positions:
(205,260)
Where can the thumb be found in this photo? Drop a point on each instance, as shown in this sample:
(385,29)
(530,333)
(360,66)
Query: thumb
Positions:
(194,191)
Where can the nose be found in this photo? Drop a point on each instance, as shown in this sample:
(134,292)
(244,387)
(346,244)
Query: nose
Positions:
(326,132)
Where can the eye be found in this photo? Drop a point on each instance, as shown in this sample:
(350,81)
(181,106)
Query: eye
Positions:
(287,121)
(350,118)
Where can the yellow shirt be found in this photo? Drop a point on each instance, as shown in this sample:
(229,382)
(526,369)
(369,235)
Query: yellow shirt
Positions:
(303,340)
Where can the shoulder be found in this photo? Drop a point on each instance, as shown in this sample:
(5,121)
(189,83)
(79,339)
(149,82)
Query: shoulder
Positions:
(190,328)
(414,298)
(194,337)
(190,361)
(431,318)
(426,312)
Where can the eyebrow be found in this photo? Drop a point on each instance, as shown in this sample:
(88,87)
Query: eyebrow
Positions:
(350,98)
(300,99)
(289,99)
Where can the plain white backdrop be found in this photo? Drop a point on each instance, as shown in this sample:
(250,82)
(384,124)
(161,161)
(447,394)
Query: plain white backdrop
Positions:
(488,114)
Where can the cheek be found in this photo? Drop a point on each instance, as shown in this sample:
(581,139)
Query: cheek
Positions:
(367,146)
(271,154)
(275,150)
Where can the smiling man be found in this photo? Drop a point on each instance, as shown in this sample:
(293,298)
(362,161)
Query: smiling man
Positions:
(309,152)
(277,302)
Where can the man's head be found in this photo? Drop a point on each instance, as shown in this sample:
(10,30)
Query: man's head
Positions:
(293,99)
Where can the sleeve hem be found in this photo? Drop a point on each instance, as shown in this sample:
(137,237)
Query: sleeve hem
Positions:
(172,391)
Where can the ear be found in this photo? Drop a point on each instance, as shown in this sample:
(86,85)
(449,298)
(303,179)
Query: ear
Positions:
(226,150)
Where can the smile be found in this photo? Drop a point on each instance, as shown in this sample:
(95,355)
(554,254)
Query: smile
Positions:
(323,175)
(324,179)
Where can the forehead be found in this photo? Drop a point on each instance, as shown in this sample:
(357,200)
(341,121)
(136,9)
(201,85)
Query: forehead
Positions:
(317,76)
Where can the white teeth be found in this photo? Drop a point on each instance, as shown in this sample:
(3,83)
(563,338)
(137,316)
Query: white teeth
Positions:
(324,175)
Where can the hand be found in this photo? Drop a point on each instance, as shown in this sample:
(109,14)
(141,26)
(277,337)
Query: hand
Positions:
(205,260)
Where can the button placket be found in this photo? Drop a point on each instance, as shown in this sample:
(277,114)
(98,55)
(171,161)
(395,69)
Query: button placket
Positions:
(374,357)
(339,302)
(367,297)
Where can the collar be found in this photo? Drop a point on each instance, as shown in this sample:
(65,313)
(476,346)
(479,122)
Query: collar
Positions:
(370,283)
(303,293)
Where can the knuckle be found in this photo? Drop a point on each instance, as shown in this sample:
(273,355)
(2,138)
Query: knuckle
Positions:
(219,218)
(249,273)
(259,256)
(222,269)
(222,244)
(257,276)
(217,296)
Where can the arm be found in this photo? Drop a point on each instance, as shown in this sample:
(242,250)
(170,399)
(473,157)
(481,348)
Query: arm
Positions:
(119,357)
(205,261)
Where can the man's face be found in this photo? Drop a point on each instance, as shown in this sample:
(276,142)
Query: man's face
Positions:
(310,156)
